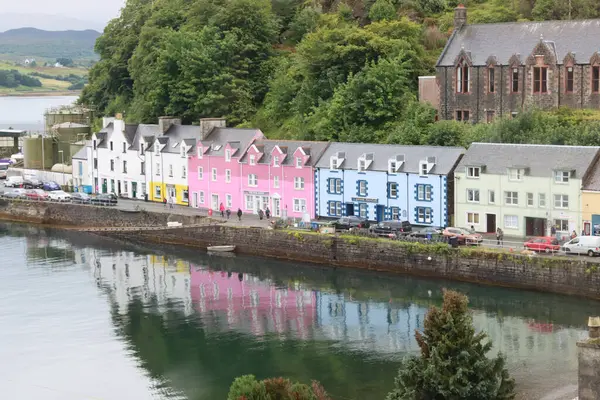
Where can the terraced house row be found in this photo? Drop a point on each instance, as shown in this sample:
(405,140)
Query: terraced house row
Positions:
(523,189)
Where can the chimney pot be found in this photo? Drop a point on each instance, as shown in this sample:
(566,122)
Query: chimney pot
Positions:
(460,16)
(594,327)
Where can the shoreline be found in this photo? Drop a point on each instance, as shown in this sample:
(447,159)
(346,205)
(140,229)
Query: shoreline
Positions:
(75,93)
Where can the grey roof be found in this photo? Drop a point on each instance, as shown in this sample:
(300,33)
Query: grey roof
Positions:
(238,138)
(82,153)
(101,136)
(503,40)
(540,160)
(130,131)
(145,132)
(314,149)
(177,134)
(446,157)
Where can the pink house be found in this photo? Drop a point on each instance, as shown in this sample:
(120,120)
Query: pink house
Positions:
(214,171)
(280,175)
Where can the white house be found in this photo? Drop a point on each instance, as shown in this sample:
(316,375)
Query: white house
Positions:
(82,171)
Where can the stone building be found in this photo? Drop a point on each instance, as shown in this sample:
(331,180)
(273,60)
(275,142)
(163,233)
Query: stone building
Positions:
(494,70)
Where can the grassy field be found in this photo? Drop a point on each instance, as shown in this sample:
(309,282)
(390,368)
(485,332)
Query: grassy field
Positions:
(49,86)
(44,70)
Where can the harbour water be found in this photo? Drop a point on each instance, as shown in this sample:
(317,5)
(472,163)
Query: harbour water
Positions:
(89,318)
(27,113)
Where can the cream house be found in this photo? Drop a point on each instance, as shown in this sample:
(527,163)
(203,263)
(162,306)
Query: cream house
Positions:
(523,189)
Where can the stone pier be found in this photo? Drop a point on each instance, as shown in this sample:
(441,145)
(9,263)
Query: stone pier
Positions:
(589,362)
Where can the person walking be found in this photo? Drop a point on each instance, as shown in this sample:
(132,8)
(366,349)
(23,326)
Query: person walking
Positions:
(268,213)
(261,214)
(165,202)
(171,202)
(222,210)
(239,214)
(499,237)
(228,212)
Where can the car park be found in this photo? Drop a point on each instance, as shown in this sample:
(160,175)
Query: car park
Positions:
(80,198)
(14,181)
(391,228)
(589,245)
(15,194)
(50,186)
(352,221)
(463,236)
(546,244)
(428,231)
(36,194)
(59,195)
(105,199)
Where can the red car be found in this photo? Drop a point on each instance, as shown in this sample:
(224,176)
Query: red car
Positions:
(546,244)
(36,194)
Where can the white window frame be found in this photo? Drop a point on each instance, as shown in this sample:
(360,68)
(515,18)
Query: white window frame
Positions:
(252,181)
(252,159)
(227,176)
(298,162)
(276,161)
(473,218)
(542,200)
(184,172)
(473,172)
(562,200)
(393,189)
(158,191)
(392,166)
(298,183)
(158,169)
(276,181)
(362,188)
(228,200)
(201,197)
(424,169)
(473,196)
(362,164)
(171,170)
(512,196)
(424,215)
(562,223)
(227,155)
(515,174)
(213,174)
(200,154)
(491,197)
(334,162)
(299,205)
(200,173)
(562,177)
(511,222)
(529,200)
(249,202)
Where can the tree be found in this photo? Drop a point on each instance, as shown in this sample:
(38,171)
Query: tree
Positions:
(248,388)
(382,10)
(453,362)
(65,62)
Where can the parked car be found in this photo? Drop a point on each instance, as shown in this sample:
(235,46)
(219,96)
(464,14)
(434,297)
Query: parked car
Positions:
(32,183)
(589,245)
(351,221)
(464,236)
(424,232)
(50,186)
(59,195)
(3,170)
(36,194)
(544,243)
(391,228)
(80,198)
(105,199)
(14,181)
(15,194)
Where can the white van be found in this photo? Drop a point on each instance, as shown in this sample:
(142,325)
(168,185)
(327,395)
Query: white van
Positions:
(589,245)
(3,170)
(14,181)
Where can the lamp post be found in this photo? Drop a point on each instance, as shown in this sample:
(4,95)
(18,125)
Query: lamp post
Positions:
(62,160)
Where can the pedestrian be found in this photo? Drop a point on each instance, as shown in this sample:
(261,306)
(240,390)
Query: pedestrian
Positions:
(573,235)
(222,210)
(261,214)
(228,212)
(239,214)
(171,202)
(268,213)
(472,229)
(552,230)
(499,237)
(165,202)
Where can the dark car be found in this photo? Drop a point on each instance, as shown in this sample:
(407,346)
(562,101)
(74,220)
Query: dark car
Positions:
(49,186)
(351,221)
(80,198)
(105,199)
(32,183)
(426,232)
(392,228)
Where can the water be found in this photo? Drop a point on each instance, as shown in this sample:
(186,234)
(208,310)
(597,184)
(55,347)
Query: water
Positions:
(28,112)
(88,318)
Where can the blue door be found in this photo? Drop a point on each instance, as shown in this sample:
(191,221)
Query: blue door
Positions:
(349,209)
(380,212)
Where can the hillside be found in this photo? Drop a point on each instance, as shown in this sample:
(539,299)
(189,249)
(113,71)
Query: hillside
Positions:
(18,44)
(13,20)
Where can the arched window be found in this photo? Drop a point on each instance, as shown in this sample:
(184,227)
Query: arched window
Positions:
(462,77)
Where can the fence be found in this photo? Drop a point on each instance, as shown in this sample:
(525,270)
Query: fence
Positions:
(58,177)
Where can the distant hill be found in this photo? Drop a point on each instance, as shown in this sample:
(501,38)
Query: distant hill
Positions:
(46,22)
(18,44)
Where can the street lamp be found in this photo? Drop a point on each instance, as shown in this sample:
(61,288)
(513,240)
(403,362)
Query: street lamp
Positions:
(62,160)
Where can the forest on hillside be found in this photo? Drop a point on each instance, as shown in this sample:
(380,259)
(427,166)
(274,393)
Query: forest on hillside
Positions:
(319,70)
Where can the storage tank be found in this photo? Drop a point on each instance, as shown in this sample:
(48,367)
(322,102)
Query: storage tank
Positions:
(67,169)
(35,157)
(71,131)
(59,115)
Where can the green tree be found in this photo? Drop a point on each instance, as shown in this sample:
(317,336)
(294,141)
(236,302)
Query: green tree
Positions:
(453,363)
(382,10)
(248,388)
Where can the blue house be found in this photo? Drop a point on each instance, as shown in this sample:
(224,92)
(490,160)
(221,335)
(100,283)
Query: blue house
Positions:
(383,182)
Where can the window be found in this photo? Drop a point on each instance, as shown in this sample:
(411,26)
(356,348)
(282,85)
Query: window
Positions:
(228,200)
(171,170)
(462,115)
(362,188)
(540,80)
(156,147)
(200,173)
(183,172)
(183,152)
(462,78)
(143,168)
(227,176)
(228,155)
(299,205)
(157,168)
(249,202)
(334,163)
(142,149)
(515,174)
(542,200)
(473,195)
(143,188)
(423,215)
(276,181)
(511,222)
(335,185)
(157,191)
(200,153)
(298,183)
(569,80)
(185,196)
(491,197)
(562,225)
(276,161)
(424,170)
(515,81)
(489,116)
(201,196)
(80,164)
(213,175)
(124,147)
(473,172)
(561,201)
(491,80)
(363,210)
(424,193)
(335,208)
(125,186)
(561,176)
(94,145)
(252,181)
(511,198)
(392,166)
(95,163)
(252,159)
(472,218)
(529,199)
(362,164)
(111,146)
(298,162)
(112,165)
(596,79)
(395,213)
(124,167)
(393,190)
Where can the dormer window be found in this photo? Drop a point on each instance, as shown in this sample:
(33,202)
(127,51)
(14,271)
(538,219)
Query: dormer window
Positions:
(424,170)
(252,159)
(124,147)
(516,174)
(392,166)
(156,147)
(334,163)
(111,146)
(298,162)
(142,148)
(362,164)
(562,176)
(94,142)
(462,77)
(276,161)
(182,151)
(473,172)
(200,153)
(228,155)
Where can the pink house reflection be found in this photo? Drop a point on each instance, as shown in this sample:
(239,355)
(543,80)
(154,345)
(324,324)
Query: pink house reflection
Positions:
(252,305)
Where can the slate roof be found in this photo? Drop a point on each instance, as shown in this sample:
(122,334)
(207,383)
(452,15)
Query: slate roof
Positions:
(177,134)
(541,160)
(145,132)
(130,131)
(238,138)
(502,40)
(313,149)
(82,153)
(446,157)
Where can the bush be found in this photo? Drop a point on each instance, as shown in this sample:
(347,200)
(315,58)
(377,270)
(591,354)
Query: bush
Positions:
(248,388)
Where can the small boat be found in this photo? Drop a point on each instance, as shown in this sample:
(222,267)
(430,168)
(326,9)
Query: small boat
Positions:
(220,249)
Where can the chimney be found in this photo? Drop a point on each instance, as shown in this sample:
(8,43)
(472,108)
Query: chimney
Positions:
(207,124)
(164,123)
(460,16)
(594,327)
(119,116)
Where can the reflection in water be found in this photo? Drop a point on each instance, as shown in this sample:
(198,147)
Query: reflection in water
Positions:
(184,326)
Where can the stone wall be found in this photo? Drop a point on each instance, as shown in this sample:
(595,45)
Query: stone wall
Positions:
(589,369)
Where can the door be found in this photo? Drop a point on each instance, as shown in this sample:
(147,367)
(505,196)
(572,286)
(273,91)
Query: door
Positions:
(256,204)
(214,203)
(277,208)
(119,188)
(380,212)
(111,189)
(134,189)
(349,208)
(103,185)
(491,223)
(172,193)
(195,199)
